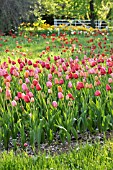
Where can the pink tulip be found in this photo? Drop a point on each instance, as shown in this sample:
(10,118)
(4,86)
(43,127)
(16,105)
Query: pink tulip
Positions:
(32,99)
(49,76)
(67,77)
(0,90)
(7,84)
(54,103)
(27,80)
(9,78)
(8,94)
(70,84)
(49,91)
(49,84)
(60,95)
(110,80)
(23,94)
(25,144)
(14,103)
(24,87)
(16,98)
(59,74)
(30,94)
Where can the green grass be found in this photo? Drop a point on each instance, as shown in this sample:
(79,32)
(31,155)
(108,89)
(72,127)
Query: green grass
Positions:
(84,157)
(38,44)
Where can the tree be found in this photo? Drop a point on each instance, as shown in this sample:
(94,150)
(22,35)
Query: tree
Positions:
(78,9)
(12,12)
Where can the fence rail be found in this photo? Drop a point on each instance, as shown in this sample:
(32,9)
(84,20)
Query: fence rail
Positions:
(87,23)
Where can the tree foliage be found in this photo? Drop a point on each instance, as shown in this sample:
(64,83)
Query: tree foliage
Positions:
(12,12)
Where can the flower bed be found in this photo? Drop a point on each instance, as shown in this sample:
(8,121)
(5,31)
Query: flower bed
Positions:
(61,95)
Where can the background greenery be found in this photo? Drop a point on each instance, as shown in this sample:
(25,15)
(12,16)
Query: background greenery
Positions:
(14,12)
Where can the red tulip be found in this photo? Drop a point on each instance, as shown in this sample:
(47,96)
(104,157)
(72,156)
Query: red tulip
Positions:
(108,87)
(80,85)
(19,95)
(97,93)
(38,87)
(47,66)
(35,82)
(29,62)
(102,71)
(70,96)
(26,98)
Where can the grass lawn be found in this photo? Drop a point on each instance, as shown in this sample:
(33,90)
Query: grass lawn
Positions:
(87,157)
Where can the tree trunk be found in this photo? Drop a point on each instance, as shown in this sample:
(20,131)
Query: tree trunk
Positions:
(92,13)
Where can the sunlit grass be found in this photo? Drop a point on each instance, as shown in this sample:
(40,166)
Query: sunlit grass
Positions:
(84,157)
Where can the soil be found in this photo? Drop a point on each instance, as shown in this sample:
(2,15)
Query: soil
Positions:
(57,147)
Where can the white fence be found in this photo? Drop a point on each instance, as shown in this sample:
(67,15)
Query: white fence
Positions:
(87,23)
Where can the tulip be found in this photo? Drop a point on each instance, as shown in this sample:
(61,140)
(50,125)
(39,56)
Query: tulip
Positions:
(69,95)
(56,81)
(14,103)
(38,87)
(80,85)
(19,95)
(26,98)
(67,77)
(7,85)
(9,78)
(47,66)
(24,87)
(90,86)
(108,87)
(8,94)
(54,103)
(30,94)
(27,80)
(61,81)
(102,71)
(29,62)
(97,93)
(75,75)
(49,84)
(50,91)
(60,95)
(70,84)
(23,94)
(0,90)
(25,144)
(16,98)
(20,81)
(32,86)
(32,99)
(26,74)
(60,89)
(49,76)
(35,82)
(110,80)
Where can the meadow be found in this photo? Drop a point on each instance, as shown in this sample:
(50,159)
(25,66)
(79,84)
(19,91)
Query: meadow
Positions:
(54,87)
